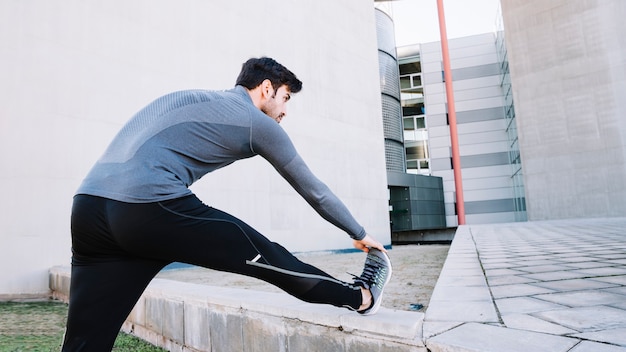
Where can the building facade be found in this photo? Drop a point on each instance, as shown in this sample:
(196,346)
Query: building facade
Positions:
(484,146)
(539,108)
(568,73)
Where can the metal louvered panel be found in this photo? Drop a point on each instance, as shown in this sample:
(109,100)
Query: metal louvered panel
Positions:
(389,75)
(390,93)
(385,33)
(392,118)
(394,156)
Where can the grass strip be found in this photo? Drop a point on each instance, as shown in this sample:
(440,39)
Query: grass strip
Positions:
(39,327)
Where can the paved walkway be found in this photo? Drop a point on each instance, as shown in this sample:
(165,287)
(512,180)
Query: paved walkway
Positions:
(534,286)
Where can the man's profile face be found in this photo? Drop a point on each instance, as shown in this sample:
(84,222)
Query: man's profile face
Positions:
(276,106)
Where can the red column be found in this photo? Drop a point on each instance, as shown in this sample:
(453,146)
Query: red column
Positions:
(454,138)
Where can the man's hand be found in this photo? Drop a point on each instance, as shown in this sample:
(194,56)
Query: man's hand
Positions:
(366,242)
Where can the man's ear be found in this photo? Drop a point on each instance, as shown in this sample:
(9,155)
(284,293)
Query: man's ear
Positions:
(267,90)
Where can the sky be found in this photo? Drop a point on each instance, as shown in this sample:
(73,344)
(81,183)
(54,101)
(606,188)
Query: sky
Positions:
(417,21)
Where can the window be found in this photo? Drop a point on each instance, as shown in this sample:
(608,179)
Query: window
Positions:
(411,67)
(411,83)
(417,161)
(410,107)
(409,124)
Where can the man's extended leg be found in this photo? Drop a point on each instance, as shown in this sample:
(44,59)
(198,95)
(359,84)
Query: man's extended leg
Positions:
(186,230)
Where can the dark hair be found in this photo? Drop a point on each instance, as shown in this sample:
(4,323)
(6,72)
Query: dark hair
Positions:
(256,70)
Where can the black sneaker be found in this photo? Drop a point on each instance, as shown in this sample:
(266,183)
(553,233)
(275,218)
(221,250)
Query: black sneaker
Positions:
(376,274)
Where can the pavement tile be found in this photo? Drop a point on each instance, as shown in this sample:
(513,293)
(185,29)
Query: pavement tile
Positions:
(466,252)
(579,259)
(583,298)
(462,272)
(555,275)
(523,262)
(460,269)
(611,253)
(620,280)
(502,271)
(432,328)
(525,305)
(539,258)
(498,265)
(472,280)
(542,268)
(607,271)
(617,261)
(518,290)
(604,245)
(619,290)
(462,311)
(453,293)
(586,318)
(530,252)
(487,338)
(589,346)
(620,305)
(613,336)
(564,255)
(587,265)
(530,323)
(574,285)
(496,254)
(612,256)
(508,280)
(465,260)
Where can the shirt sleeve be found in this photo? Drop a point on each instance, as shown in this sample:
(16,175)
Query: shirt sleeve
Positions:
(270,141)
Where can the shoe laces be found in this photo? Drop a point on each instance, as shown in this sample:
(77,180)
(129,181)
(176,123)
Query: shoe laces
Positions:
(372,275)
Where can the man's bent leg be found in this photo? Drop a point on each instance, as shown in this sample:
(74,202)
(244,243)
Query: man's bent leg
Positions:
(102,294)
(106,281)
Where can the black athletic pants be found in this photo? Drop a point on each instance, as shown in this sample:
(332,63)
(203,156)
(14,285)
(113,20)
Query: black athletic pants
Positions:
(119,247)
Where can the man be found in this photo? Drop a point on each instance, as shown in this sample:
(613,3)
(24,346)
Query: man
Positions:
(134,213)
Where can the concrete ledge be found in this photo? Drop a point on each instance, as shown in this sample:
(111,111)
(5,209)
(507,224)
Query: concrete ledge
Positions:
(191,317)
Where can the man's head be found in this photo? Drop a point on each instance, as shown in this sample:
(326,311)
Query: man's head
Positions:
(255,71)
(270,85)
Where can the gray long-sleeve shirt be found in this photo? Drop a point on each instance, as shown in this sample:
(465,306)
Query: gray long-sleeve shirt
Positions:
(180,137)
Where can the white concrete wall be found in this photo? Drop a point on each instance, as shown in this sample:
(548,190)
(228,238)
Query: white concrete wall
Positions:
(569,77)
(74,71)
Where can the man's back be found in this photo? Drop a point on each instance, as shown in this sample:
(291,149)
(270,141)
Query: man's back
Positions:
(171,143)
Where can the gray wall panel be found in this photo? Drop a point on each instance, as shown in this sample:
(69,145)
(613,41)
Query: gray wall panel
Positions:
(441,164)
(437,120)
(475,72)
(479,115)
(490,206)
(481,160)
